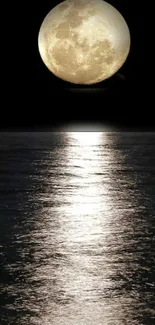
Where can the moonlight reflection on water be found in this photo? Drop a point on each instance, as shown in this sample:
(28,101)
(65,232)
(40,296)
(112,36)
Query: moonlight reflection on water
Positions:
(79,241)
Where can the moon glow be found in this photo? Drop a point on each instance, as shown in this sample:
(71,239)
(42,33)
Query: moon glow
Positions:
(84,41)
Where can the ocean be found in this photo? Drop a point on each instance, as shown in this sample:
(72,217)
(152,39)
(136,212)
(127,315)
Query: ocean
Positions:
(77,228)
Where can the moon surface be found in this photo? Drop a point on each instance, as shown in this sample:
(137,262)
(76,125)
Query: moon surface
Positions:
(84,41)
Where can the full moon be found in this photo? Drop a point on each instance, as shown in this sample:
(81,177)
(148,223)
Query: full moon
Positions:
(84,41)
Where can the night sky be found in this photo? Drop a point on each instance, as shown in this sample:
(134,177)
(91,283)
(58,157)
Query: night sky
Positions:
(37,99)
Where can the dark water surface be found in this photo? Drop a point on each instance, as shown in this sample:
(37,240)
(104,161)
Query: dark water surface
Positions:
(77,228)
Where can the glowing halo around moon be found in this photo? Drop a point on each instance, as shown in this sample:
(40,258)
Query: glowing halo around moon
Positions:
(84,41)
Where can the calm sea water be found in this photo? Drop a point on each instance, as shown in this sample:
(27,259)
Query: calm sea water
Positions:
(77,228)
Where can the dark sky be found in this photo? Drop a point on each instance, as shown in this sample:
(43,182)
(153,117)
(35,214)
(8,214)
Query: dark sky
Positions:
(37,99)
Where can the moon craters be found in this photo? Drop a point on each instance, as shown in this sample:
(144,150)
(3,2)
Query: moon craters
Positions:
(84,41)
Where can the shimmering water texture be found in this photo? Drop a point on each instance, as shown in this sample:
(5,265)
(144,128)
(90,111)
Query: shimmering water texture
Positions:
(77,228)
